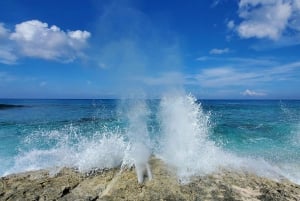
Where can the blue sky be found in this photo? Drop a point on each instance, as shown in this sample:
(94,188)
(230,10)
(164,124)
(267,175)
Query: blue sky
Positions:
(223,49)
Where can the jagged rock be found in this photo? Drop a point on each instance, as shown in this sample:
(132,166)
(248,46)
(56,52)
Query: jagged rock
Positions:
(116,184)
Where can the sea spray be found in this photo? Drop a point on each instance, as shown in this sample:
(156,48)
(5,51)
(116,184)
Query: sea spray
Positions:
(175,128)
(138,136)
(70,149)
(70,146)
(185,144)
(106,152)
(184,134)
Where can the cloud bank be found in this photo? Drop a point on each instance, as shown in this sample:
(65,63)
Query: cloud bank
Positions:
(269,19)
(35,39)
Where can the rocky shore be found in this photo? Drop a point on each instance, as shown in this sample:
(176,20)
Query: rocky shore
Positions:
(114,184)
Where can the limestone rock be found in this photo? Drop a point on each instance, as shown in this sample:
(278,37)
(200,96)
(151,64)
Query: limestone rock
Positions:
(116,184)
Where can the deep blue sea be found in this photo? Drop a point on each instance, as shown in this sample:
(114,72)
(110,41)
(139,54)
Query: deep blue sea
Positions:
(195,137)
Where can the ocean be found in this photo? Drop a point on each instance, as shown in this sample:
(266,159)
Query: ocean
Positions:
(194,137)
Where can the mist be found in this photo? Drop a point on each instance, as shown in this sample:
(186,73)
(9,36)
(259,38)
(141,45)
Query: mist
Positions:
(134,55)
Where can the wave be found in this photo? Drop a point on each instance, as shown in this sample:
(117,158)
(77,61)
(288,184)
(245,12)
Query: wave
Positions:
(182,141)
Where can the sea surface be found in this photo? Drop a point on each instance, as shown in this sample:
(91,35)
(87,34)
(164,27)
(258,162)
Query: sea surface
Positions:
(195,137)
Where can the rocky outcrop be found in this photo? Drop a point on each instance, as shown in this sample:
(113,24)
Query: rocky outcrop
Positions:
(116,184)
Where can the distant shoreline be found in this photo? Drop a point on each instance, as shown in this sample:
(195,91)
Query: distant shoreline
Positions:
(9,106)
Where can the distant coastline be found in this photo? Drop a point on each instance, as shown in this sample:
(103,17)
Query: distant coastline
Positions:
(9,106)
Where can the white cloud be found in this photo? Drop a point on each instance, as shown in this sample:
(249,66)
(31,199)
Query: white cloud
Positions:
(246,61)
(230,24)
(295,19)
(7,57)
(38,40)
(224,76)
(249,92)
(79,35)
(255,2)
(219,51)
(239,76)
(3,31)
(267,18)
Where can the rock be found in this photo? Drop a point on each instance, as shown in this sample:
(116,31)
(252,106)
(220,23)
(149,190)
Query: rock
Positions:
(38,185)
(116,184)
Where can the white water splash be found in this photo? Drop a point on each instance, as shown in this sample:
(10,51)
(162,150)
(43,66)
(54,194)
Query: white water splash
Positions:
(140,150)
(105,151)
(186,147)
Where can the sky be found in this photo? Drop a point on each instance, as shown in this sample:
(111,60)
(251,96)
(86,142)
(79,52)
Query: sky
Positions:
(214,49)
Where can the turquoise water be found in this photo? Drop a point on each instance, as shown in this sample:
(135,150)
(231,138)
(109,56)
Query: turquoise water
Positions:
(196,137)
